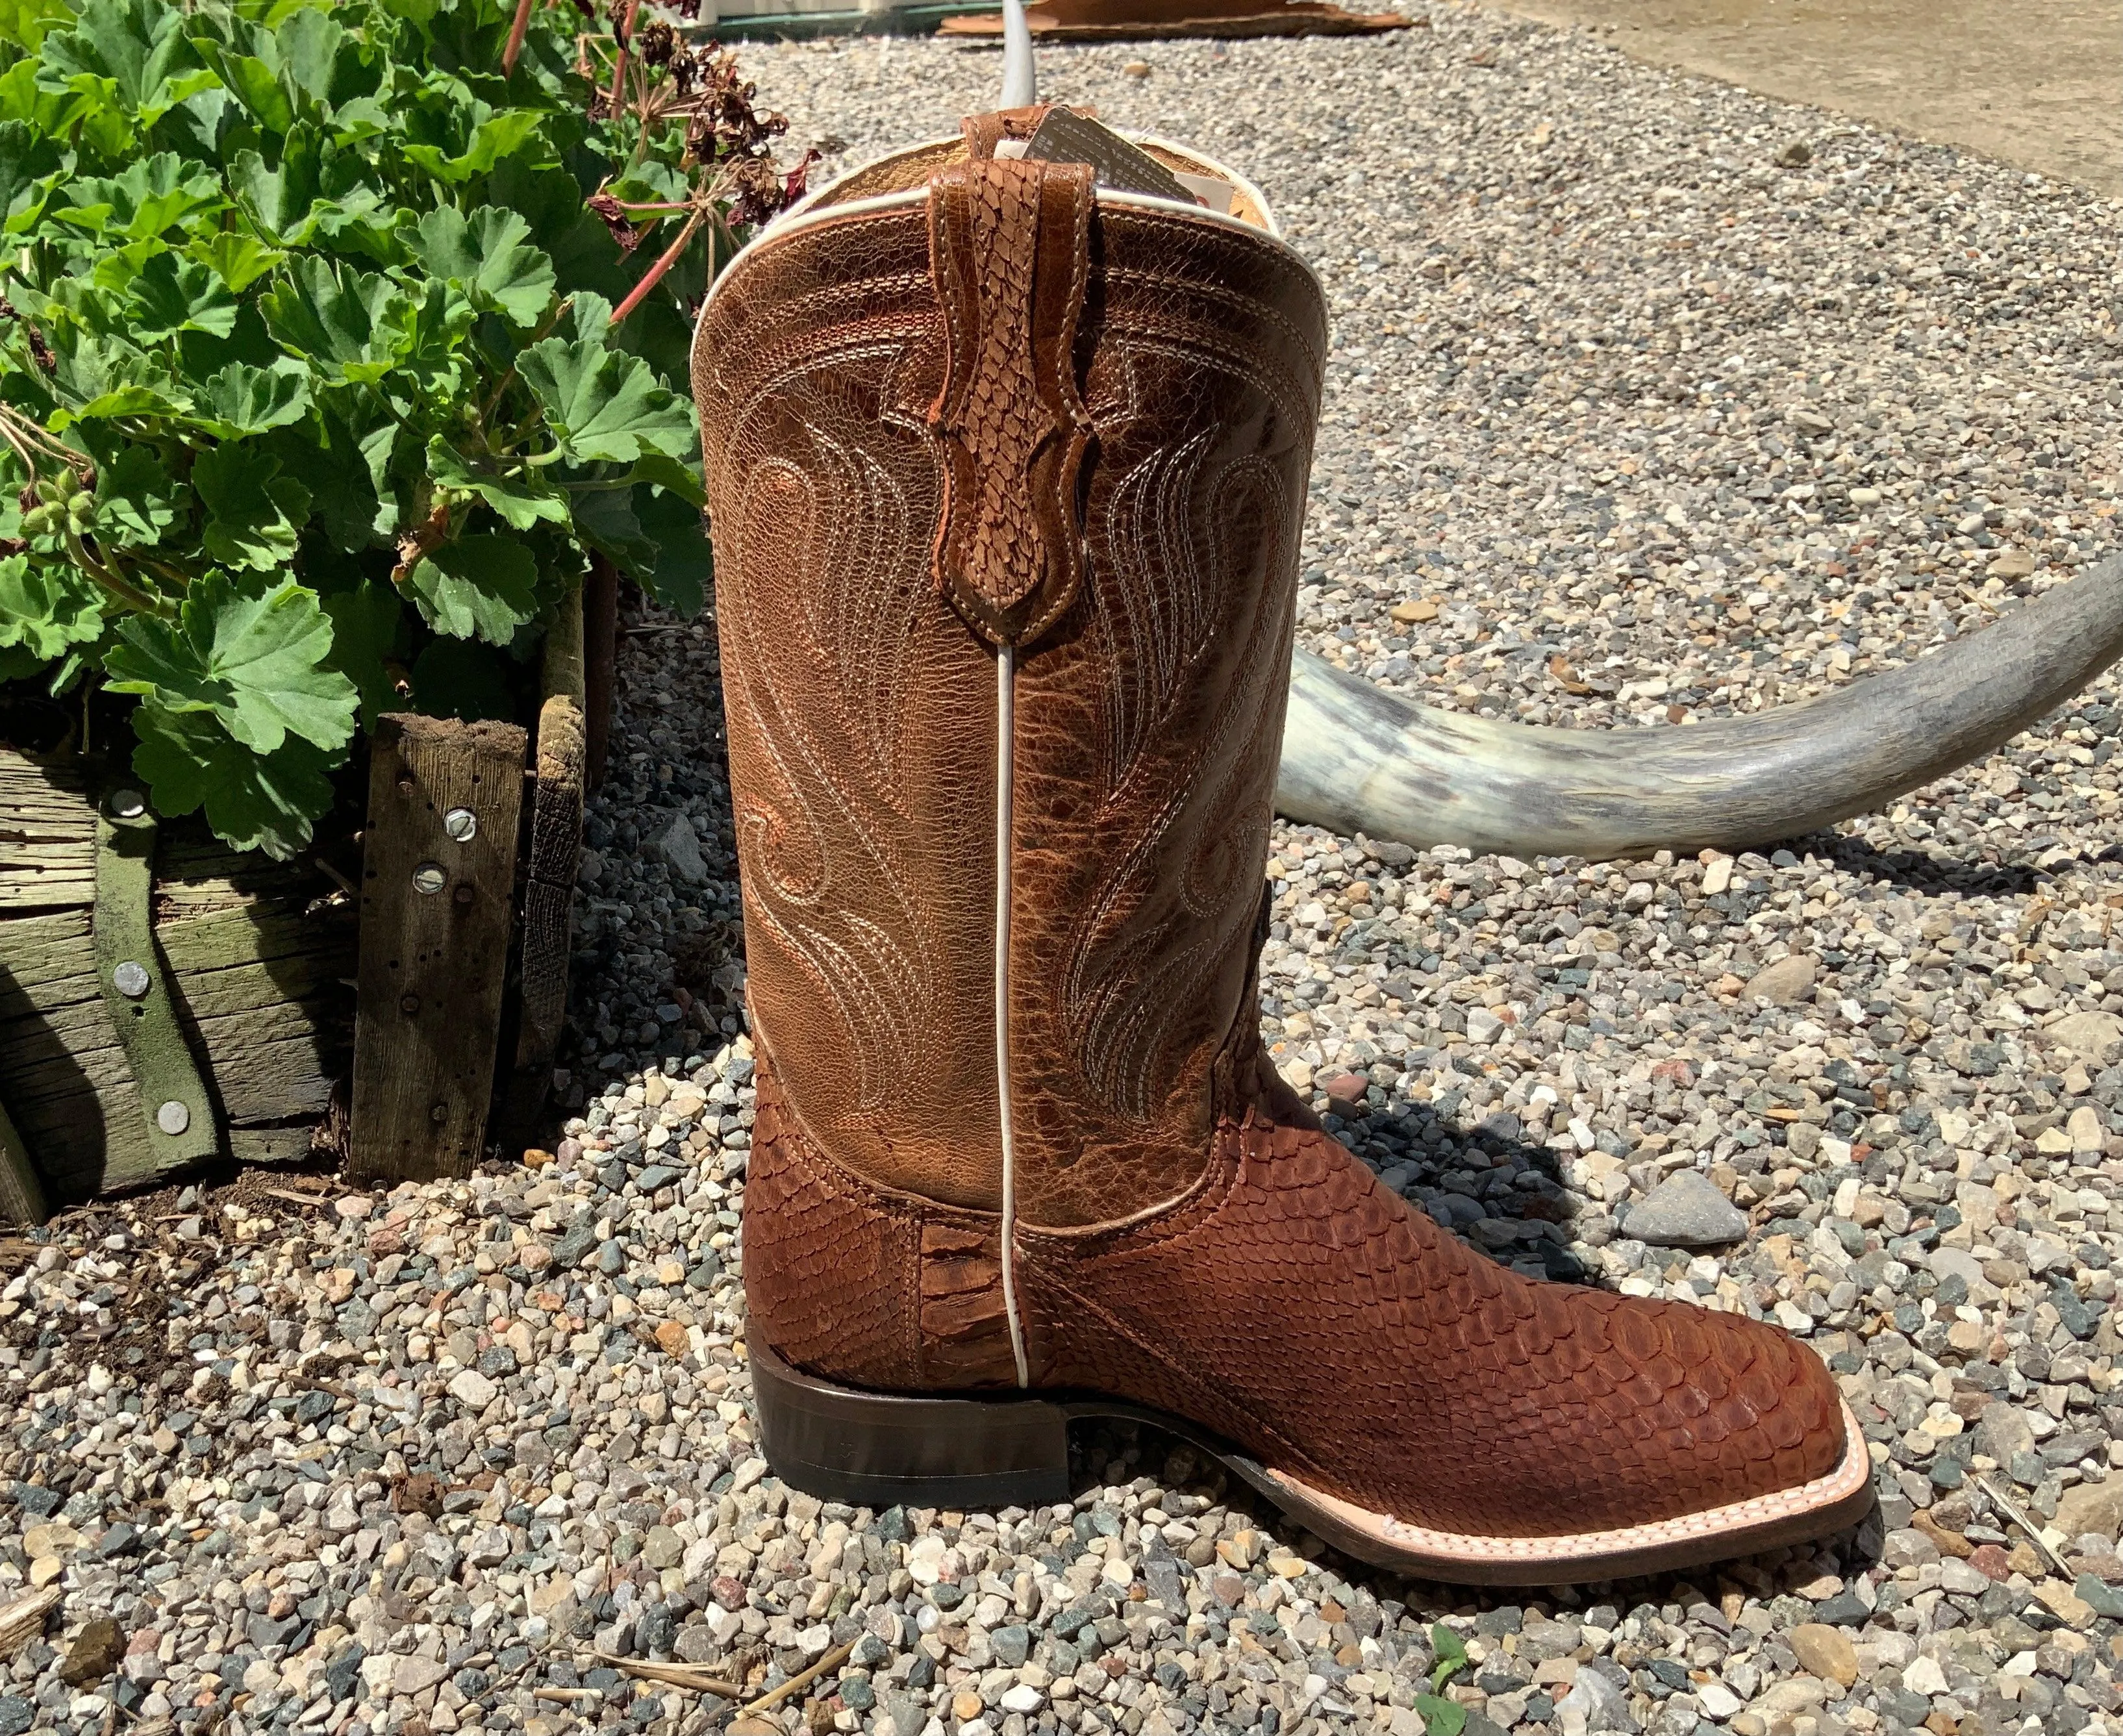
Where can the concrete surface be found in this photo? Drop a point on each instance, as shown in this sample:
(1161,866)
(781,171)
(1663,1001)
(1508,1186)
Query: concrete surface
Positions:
(2038,83)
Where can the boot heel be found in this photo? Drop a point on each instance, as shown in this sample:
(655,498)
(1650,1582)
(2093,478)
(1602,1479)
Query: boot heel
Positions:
(876,1450)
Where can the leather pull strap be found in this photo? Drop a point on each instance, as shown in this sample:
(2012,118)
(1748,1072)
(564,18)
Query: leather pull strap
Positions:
(983,132)
(1010,248)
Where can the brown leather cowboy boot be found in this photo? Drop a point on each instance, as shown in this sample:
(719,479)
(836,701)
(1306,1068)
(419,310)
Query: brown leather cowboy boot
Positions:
(1007,474)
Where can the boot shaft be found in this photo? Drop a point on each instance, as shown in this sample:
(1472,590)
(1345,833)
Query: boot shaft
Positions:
(1007,479)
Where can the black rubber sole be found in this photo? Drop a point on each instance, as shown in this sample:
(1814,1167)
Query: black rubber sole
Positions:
(876,1449)
(872,1449)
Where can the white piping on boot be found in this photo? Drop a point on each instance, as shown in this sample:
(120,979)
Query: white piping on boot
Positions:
(1005,727)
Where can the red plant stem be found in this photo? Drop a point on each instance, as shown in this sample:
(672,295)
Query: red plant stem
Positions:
(516,29)
(655,272)
(619,66)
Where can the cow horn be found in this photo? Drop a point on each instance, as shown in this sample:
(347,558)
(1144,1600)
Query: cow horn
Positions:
(1020,82)
(1358,759)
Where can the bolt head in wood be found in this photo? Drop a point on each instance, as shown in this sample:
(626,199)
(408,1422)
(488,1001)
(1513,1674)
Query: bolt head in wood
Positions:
(130,979)
(127,804)
(409,1003)
(440,1113)
(461,824)
(173,1118)
(430,878)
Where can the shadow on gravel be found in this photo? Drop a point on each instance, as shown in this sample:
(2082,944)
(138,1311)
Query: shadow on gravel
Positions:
(1503,1194)
(1954,873)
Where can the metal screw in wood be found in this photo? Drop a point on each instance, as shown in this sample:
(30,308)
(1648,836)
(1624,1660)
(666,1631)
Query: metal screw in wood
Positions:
(130,979)
(461,824)
(429,878)
(173,1118)
(127,804)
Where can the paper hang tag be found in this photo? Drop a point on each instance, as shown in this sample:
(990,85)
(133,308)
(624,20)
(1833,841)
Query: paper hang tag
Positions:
(1215,194)
(1064,136)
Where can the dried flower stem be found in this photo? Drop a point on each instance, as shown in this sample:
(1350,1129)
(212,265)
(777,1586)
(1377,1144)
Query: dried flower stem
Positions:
(518,26)
(669,258)
(619,66)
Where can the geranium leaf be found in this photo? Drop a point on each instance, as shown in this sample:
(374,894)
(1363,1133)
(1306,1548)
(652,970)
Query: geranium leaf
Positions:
(136,500)
(238,259)
(105,376)
(670,475)
(253,80)
(139,46)
(254,513)
(283,199)
(46,607)
(603,404)
(344,502)
(171,295)
(252,653)
(605,520)
(344,321)
(683,566)
(27,164)
(309,40)
(52,113)
(253,801)
(272,267)
(513,499)
(150,196)
(242,399)
(25,21)
(496,137)
(487,253)
(477,587)
(365,620)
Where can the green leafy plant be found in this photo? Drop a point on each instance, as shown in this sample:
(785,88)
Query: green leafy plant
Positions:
(322,375)
(1443,1717)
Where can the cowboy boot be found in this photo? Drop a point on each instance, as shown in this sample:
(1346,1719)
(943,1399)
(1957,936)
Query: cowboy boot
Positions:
(1007,472)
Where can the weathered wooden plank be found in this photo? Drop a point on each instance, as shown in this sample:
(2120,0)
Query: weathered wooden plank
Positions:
(30,786)
(80,1114)
(229,960)
(260,997)
(22,1201)
(47,835)
(549,886)
(435,921)
(272,1144)
(251,994)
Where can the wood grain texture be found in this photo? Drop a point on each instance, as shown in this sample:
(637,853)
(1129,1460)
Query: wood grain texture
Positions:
(47,835)
(22,1201)
(255,966)
(549,886)
(434,965)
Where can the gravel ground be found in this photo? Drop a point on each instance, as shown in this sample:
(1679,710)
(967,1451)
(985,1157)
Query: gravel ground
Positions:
(1651,400)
